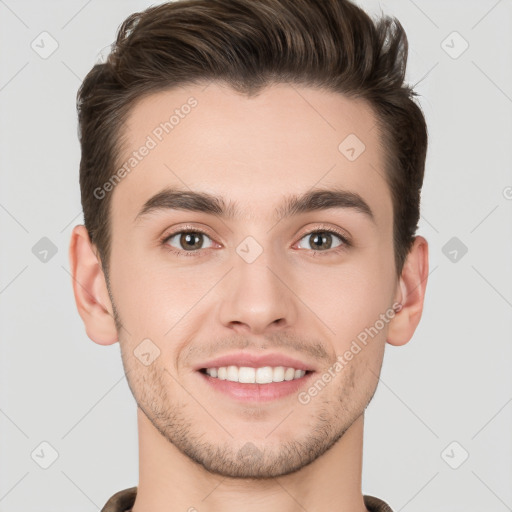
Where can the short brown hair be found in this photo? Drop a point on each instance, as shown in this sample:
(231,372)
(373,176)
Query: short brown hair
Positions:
(250,44)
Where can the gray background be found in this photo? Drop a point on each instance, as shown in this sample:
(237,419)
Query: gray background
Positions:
(444,395)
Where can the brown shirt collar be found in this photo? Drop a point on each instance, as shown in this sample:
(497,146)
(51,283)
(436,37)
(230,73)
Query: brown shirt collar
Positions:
(123,501)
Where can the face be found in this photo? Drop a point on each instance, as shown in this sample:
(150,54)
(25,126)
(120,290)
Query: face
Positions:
(259,271)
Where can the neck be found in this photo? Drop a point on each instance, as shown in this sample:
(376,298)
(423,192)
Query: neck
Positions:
(169,481)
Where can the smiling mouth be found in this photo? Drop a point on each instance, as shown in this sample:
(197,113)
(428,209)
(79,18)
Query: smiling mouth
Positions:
(252,375)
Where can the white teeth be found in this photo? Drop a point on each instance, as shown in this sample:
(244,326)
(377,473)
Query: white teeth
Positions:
(232,373)
(246,374)
(263,375)
(289,374)
(278,375)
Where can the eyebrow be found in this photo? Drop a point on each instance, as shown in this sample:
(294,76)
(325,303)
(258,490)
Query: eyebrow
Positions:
(313,200)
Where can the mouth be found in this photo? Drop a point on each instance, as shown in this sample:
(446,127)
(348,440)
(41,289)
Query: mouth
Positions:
(251,375)
(255,384)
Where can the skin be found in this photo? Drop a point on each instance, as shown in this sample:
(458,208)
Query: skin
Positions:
(198,447)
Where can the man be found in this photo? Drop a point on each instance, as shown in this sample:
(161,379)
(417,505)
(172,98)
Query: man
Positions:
(250,177)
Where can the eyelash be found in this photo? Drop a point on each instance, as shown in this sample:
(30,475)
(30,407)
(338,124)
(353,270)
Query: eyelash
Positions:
(343,246)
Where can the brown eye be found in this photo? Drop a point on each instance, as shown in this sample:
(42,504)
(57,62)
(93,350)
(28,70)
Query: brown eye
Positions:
(322,240)
(188,240)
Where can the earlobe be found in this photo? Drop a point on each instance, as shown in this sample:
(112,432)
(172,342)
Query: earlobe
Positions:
(410,294)
(90,289)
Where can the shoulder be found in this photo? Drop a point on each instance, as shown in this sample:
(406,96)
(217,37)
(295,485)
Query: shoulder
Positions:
(121,501)
(374,504)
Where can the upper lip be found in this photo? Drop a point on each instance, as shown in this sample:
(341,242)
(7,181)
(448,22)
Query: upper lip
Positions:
(255,361)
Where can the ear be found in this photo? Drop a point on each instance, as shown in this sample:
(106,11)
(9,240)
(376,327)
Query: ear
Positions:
(410,294)
(90,289)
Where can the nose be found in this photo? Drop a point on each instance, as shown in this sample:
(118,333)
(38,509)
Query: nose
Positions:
(257,297)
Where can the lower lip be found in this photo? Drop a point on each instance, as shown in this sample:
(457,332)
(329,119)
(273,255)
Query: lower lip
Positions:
(257,392)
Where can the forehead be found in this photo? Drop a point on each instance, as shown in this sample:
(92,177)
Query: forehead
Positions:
(250,150)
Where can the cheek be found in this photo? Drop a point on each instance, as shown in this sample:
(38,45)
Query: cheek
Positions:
(351,299)
(148,300)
